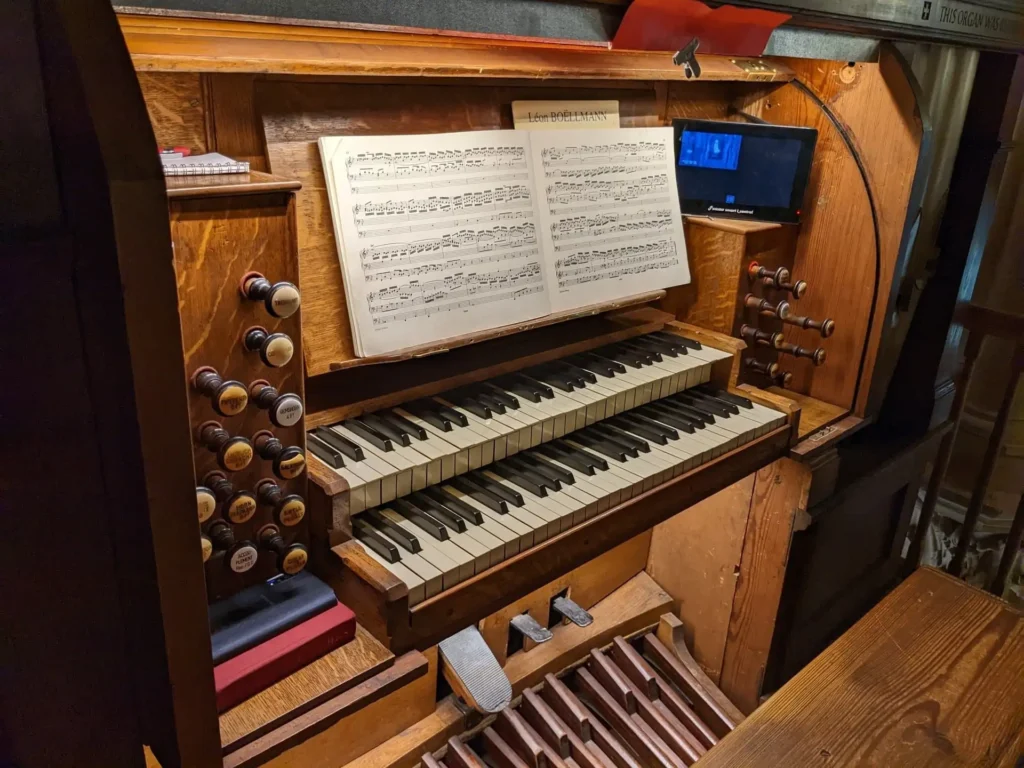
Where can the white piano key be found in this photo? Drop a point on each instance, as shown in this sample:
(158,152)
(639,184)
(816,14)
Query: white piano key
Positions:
(413,583)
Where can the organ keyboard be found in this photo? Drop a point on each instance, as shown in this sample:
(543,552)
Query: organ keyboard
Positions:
(391,453)
(436,538)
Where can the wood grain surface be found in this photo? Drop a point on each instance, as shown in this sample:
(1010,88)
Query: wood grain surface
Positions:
(218,238)
(779,495)
(328,676)
(932,676)
(351,723)
(695,557)
(836,249)
(175,102)
(169,44)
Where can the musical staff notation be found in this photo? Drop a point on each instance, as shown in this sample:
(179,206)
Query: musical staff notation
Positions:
(439,209)
(447,246)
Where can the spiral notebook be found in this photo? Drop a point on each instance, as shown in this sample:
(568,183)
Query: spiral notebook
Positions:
(202,165)
(447,234)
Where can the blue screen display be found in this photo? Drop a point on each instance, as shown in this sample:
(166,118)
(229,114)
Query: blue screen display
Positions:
(730,170)
(720,151)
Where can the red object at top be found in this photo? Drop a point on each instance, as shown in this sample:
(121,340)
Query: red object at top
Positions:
(668,25)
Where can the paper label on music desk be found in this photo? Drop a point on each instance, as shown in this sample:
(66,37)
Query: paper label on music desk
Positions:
(564,115)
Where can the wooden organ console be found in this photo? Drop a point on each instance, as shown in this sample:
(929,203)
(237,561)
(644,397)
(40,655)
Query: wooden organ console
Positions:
(589,494)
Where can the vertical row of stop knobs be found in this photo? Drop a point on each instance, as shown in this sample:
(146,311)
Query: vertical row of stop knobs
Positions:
(780,280)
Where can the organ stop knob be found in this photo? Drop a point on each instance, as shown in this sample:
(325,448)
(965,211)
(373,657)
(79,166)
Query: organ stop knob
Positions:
(816,356)
(762,338)
(783,379)
(207,546)
(276,349)
(824,327)
(765,307)
(284,410)
(287,462)
(280,299)
(233,453)
(290,558)
(766,369)
(239,556)
(229,398)
(239,506)
(206,502)
(289,509)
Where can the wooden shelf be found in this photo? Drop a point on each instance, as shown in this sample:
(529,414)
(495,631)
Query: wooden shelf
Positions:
(446,345)
(167,44)
(428,622)
(225,184)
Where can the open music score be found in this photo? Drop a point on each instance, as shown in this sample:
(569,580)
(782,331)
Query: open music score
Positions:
(438,234)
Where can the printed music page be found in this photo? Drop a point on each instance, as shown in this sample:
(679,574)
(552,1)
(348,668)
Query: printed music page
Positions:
(437,235)
(609,214)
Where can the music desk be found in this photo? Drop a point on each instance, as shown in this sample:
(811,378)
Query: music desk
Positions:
(933,675)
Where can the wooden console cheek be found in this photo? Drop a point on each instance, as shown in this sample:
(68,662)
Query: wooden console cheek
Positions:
(224,227)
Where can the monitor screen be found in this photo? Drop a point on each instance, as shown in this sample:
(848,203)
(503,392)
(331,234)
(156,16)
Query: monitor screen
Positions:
(742,170)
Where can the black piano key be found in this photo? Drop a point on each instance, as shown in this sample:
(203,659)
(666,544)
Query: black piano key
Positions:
(739,400)
(646,420)
(603,447)
(523,389)
(613,365)
(664,416)
(492,501)
(566,458)
(476,407)
(553,378)
(718,401)
(624,356)
(673,338)
(451,414)
(419,518)
(669,341)
(618,436)
(386,428)
(400,422)
(576,376)
(652,354)
(637,429)
(543,389)
(328,455)
(531,472)
(437,511)
(430,414)
(595,365)
(503,397)
(343,444)
(369,434)
(440,496)
(702,404)
(593,461)
(520,478)
(491,402)
(582,373)
(545,467)
(395,532)
(365,533)
(511,495)
(659,346)
(689,409)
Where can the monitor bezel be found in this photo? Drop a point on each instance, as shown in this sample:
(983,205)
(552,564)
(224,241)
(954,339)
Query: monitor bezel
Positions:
(808,138)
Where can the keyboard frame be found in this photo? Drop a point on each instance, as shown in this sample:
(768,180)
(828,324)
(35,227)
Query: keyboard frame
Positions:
(373,591)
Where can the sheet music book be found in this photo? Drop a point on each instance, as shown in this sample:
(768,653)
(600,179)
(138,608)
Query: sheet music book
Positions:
(440,235)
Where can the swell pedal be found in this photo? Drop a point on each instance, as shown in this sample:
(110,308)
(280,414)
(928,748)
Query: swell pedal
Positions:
(473,673)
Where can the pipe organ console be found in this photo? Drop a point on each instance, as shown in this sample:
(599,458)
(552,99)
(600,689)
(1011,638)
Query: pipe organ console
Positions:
(519,517)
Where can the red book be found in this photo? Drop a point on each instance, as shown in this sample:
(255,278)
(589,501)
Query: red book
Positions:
(250,672)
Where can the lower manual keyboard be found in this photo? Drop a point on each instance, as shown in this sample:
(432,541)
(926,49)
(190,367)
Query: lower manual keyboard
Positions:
(437,537)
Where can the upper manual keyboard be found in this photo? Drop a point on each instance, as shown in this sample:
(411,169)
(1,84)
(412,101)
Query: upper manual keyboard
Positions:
(393,452)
